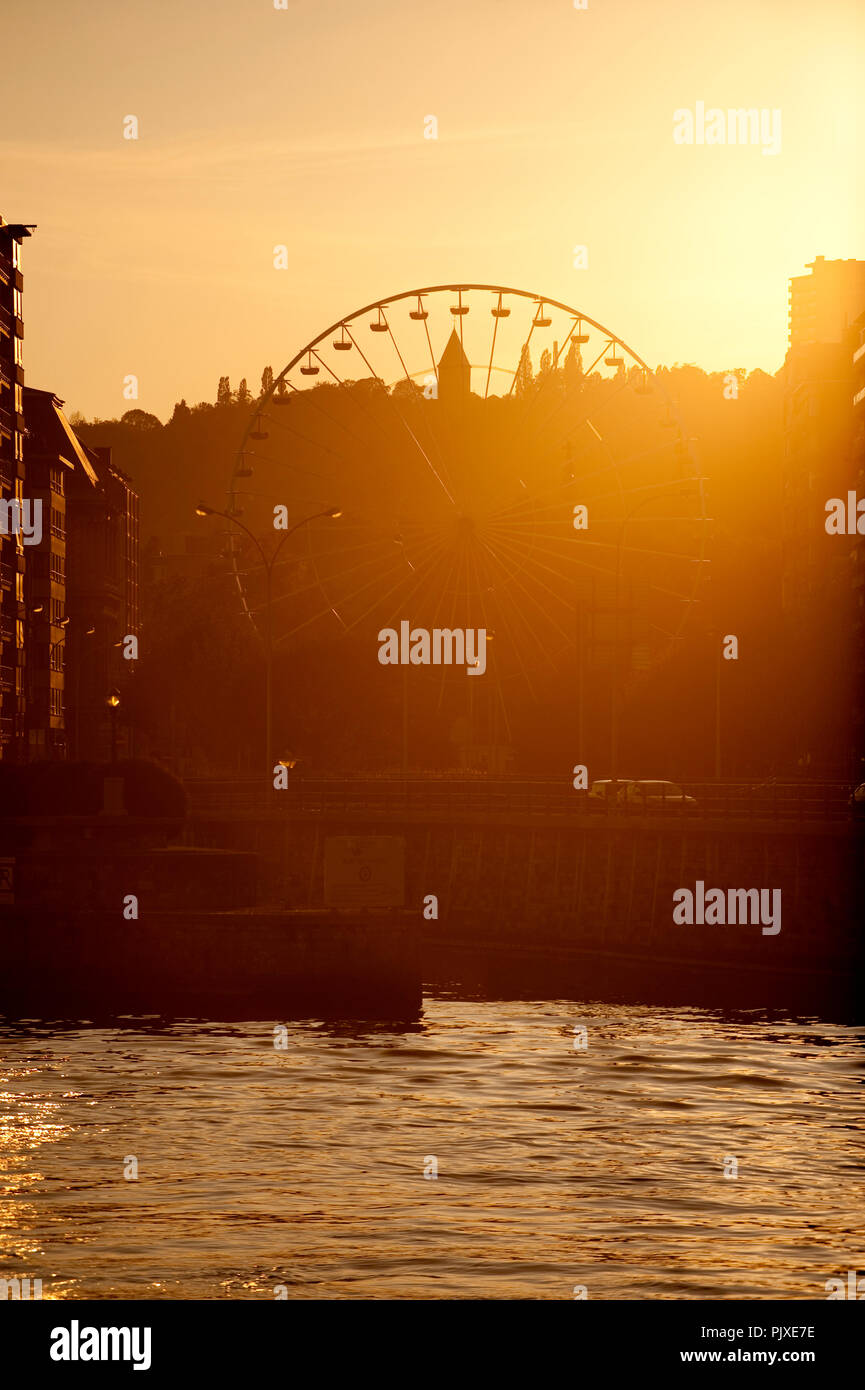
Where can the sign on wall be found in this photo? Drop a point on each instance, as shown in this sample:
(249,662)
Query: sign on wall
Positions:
(364,871)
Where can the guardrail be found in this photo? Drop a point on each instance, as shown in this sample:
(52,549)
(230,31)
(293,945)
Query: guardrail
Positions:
(446,797)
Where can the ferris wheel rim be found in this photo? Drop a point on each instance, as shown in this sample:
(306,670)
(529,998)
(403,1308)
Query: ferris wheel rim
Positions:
(385,301)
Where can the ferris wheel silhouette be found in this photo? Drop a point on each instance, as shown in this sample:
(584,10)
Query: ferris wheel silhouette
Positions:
(501,461)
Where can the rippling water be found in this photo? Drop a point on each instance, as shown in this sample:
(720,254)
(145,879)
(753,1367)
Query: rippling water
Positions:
(304,1167)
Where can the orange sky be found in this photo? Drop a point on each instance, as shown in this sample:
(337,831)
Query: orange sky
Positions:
(304,127)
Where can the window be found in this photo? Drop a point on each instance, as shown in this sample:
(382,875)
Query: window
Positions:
(58,527)
(56,702)
(19,498)
(57,613)
(19,445)
(57,480)
(17,304)
(19,352)
(58,568)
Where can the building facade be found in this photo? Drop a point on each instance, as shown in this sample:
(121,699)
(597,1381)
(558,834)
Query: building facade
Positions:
(857,549)
(819,568)
(13,553)
(103,598)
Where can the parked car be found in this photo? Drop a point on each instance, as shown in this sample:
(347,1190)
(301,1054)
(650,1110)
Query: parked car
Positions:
(657,796)
(605,793)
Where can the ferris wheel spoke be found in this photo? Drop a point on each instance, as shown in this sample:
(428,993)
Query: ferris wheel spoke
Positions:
(570,400)
(529,560)
(340,577)
(383,597)
(280,424)
(595,410)
(284,463)
(318,585)
(571,483)
(558,573)
(515,579)
(321,613)
(498,698)
(496,316)
(399,416)
(310,398)
(503,610)
(546,383)
(427,417)
(422,579)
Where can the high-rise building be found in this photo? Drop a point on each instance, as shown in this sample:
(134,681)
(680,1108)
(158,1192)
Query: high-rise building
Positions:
(824,304)
(857,551)
(13,695)
(53,454)
(819,464)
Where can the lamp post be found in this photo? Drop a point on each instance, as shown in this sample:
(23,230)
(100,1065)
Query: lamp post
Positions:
(268,563)
(113,703)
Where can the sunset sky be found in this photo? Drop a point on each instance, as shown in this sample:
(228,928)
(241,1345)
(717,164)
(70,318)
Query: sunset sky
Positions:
(304,126)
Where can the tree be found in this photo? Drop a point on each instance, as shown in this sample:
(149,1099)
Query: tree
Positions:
(266,380)
(223,391)
(141,420)
(181,413)
(525,375)
(573,368)
(243,396)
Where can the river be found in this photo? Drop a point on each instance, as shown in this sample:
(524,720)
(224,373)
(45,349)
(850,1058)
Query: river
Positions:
(305,1169)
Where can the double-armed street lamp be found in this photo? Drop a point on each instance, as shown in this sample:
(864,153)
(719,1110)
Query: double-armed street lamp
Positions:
(268,563)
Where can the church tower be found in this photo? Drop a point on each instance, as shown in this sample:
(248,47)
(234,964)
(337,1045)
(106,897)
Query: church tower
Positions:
(455,373)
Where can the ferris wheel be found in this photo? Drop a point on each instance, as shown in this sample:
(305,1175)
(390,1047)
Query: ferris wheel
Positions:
(501,461)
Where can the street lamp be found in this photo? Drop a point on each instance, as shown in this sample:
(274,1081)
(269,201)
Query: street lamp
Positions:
(113,703)
(268,563)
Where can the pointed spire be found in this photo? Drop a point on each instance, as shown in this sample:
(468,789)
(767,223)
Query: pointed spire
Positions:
(455,373)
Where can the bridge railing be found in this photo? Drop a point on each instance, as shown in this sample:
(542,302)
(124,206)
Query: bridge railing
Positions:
(445,797)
